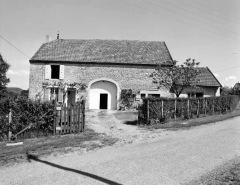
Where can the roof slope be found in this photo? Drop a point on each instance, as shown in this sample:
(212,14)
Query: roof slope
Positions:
(206,78)
(103,51)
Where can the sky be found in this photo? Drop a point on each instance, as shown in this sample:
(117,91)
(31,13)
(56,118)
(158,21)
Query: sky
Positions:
(205,30)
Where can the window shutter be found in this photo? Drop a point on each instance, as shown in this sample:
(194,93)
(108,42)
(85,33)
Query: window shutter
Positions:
(47,94)
(61,76)
(60,95)
(47,72)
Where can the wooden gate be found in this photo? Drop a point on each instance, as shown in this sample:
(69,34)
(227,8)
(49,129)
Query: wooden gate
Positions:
(70,119)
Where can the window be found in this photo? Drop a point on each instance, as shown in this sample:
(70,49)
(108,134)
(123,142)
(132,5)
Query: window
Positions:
(195,95)
(53,94)
(143,96)
(55,71)
(199,95)
(154,95)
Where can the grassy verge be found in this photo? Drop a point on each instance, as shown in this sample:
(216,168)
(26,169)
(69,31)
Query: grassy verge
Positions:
(194,122)
(55,145)
(229,173)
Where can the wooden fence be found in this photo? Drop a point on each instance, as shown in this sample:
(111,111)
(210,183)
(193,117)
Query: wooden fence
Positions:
(166,109)
(67,119)
(70,119)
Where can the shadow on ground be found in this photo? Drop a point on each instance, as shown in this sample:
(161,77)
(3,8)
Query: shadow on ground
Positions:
(35,158)
(135,122)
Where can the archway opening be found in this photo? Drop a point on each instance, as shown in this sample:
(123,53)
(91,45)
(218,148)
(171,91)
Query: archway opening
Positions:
(103,95)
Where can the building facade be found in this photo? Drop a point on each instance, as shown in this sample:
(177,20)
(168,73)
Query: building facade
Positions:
(105,66)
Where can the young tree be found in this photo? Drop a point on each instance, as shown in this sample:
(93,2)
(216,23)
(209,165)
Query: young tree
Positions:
(226,91)
(4,66)
(177,77)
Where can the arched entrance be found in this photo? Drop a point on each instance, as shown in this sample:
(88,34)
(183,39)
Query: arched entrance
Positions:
(103,94)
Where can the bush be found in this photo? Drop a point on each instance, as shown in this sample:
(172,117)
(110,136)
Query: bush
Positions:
(126,99)
(166,109)
(24,112)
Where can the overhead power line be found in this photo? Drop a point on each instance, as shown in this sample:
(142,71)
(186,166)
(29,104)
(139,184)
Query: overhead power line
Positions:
(217,11)
(189,17)
(185,9)
(178,20)
(14,46)
(226,69)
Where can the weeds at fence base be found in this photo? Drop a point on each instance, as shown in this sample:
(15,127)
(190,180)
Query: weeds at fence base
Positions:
(186,124)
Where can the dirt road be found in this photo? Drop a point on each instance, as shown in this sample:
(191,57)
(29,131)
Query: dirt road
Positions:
(173,158)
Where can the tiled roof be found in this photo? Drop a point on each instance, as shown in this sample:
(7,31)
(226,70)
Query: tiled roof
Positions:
(207,78)
(237,85)
(103,51)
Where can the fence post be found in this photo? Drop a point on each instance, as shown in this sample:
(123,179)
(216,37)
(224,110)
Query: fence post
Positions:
(147,111)
(79,118)
(198,109)
(205,106)
(83,122)
(162,108)
(213,106)
(9,122)
(57,118)
(138,122)
(175,110)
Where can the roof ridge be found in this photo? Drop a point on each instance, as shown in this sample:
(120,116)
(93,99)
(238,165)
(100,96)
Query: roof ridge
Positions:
(105,40)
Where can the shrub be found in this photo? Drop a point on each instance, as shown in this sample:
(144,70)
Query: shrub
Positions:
(126,98)
(24,112)
(166,109)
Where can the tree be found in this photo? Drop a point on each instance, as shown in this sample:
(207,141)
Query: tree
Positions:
(24,93)
(226,90)
(236,89)
(4,66)
(177,77)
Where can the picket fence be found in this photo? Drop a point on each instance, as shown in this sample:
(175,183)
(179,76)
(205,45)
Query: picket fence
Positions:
(70,119)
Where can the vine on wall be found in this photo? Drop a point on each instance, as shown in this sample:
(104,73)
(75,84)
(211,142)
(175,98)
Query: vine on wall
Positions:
(80,87)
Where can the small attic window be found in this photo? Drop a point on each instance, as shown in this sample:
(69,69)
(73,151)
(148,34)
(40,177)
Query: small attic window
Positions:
(55,71)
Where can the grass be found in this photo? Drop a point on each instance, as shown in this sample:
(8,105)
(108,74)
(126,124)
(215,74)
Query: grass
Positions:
(55,145)
(185,124)
(194,122)
(226,174)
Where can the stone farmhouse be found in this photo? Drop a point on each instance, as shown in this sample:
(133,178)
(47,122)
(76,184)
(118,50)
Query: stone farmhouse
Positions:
(106,67)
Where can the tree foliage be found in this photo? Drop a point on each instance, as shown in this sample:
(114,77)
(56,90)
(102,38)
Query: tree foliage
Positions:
(177,77)
(24,93)
(4,66)
(236,89)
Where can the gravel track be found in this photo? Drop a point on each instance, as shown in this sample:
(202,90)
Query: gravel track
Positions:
(172,157)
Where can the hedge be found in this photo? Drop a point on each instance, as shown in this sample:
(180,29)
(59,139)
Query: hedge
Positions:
(163,110)
(24,112)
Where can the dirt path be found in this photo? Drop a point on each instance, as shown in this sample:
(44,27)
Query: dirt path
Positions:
(176,158)
(113,124)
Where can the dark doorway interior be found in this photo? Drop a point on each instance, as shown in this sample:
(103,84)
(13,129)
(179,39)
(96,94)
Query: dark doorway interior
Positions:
(103,101)
(199,95)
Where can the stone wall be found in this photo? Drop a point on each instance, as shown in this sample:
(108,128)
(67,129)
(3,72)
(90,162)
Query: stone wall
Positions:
(128,77)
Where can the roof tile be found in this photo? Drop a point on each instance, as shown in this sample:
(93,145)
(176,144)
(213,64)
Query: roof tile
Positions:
(103,51)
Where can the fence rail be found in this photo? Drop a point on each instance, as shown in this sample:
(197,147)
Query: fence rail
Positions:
(166,109)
